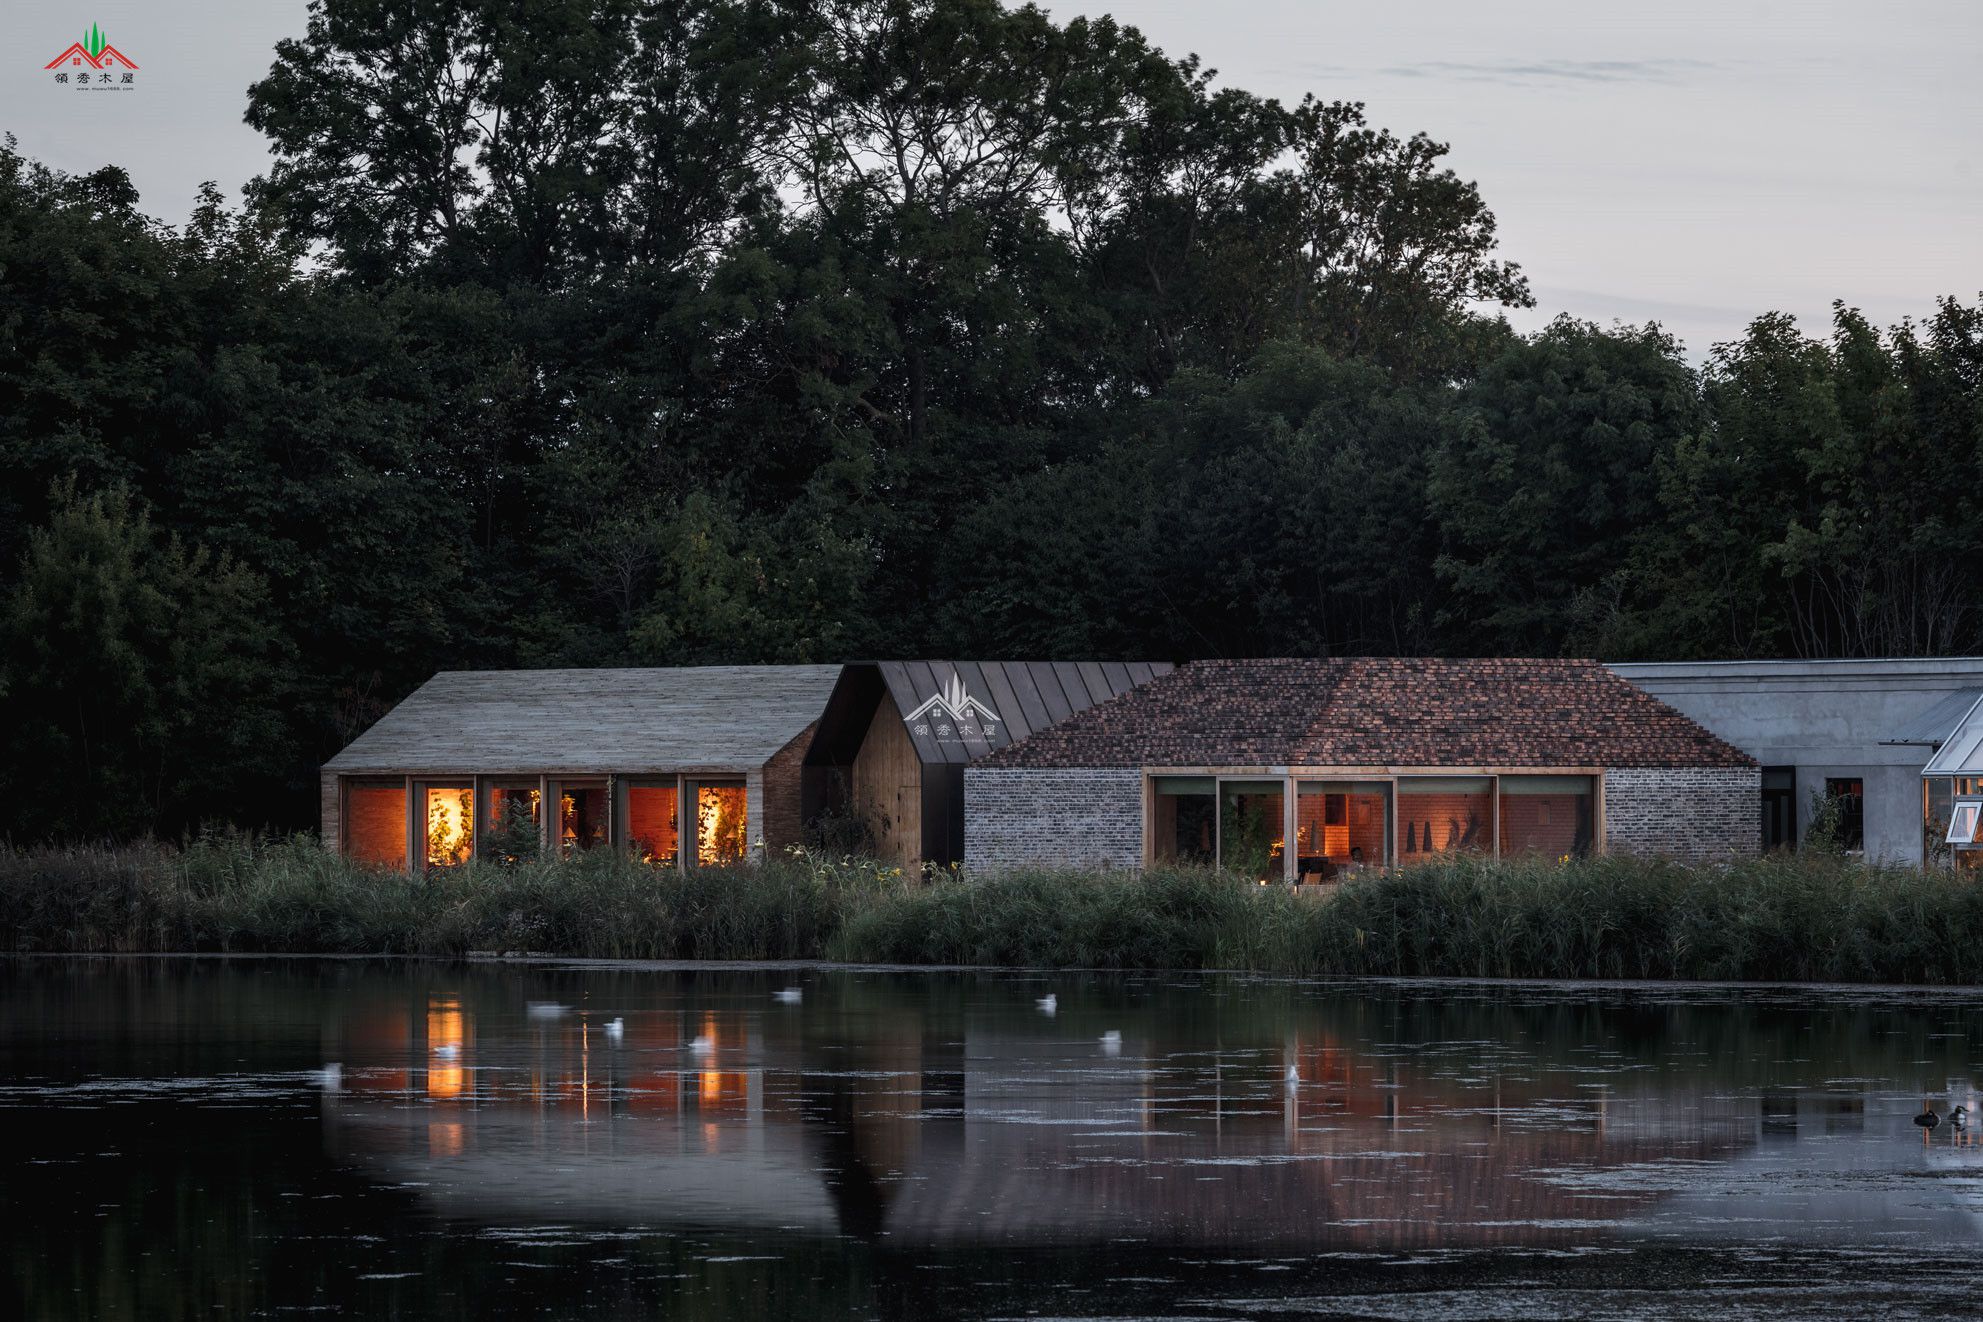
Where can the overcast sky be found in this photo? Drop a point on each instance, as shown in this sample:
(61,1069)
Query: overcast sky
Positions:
(1690,163)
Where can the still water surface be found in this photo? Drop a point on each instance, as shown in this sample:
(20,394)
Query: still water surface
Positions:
(207,1138)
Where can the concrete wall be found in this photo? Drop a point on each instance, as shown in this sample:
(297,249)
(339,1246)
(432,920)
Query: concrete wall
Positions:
(1696,815)
(1824,718)
(1025,817)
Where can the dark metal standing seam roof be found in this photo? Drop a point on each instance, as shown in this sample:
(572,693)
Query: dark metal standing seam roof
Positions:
(1027,696)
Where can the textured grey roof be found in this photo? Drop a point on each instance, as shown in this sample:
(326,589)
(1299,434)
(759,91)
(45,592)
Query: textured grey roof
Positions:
(686,718)
(1027,696)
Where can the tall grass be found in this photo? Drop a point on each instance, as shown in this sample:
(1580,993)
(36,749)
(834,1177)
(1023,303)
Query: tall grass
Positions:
(1791,918)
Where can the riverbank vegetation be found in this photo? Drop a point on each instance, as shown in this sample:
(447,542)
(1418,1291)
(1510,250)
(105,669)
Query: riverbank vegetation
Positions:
(1787,917)
(729,331)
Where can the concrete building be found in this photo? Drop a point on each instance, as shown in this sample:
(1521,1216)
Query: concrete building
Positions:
(1860,731)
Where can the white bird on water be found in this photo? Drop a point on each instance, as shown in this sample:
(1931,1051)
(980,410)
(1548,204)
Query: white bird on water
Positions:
(788,996)
(544,1009)
(1048,1004)
(330,1078)
(615,1029)
(446,1051)
(1111,1043)
(704,1045)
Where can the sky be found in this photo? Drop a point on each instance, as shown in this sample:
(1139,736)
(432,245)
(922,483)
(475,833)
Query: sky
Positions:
(1687,163)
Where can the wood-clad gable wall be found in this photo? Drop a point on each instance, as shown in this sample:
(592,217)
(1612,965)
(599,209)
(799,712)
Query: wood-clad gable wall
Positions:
(886,786)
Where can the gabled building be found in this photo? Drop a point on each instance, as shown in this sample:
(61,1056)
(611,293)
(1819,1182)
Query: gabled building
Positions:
(896,736)
(680,765)
(1303,770)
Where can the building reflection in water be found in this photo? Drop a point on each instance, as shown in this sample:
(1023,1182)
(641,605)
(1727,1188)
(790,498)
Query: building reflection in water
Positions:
(946,1129)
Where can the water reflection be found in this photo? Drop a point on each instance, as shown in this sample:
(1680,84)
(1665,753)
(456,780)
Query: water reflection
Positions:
(897,1144)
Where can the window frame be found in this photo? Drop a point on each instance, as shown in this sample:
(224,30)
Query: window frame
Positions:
(1293,776)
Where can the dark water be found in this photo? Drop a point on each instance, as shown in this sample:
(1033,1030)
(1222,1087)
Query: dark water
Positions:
(934,1145)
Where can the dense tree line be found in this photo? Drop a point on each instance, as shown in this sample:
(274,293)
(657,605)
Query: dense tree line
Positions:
(633,332)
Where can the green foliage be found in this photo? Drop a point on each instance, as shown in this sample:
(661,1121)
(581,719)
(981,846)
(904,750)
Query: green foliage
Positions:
(139,678)
(514,837)
(1806,918)
(593,332)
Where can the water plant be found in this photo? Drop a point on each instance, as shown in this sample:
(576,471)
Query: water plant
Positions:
(1783,917)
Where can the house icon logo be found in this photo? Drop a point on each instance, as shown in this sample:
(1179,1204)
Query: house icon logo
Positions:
(93,63)
(952,714)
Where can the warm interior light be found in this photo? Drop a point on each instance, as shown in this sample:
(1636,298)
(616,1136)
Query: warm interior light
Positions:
(450,826)
(719,823)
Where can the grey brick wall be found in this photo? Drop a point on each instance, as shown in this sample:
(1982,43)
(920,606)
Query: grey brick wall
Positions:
(1018,817)
(1687,814)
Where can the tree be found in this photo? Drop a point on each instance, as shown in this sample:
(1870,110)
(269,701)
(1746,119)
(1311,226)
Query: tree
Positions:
(141,681)
(1545,482)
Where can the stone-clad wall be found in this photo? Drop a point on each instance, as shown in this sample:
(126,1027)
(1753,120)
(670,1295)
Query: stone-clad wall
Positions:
(1017,817)
(1685,813)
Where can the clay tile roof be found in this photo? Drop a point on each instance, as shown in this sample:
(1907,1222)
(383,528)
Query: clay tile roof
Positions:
(1378,711)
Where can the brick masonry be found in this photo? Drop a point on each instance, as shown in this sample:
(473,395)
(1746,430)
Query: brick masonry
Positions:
(1023,817)
(780,820)
(1693,814)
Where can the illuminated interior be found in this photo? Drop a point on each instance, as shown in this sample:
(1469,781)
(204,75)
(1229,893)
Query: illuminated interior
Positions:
(375,822)
(1547,816)
(1251,828)
(1340,827)
(1444,815)
(719,823)
(450,825)
(653,829)
(582,819)
(515,821)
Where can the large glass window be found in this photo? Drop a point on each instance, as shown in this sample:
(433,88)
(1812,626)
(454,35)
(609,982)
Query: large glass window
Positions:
(1547,816)
(653,828)
(583,822)
(1444,815)
(1186,827)
(1251,828)
(375,822)
(1340,827)
(513,829)
(450,824)
(721,822)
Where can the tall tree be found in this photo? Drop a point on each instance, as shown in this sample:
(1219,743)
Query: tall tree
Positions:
(141,681)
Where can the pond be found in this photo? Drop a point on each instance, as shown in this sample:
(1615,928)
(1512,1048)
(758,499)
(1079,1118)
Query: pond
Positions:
(227,1137)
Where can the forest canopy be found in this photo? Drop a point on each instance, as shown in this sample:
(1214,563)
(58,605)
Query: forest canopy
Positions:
(653,333)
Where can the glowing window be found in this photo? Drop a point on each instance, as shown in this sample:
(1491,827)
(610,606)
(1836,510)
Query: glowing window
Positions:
(450,824)
(720,823)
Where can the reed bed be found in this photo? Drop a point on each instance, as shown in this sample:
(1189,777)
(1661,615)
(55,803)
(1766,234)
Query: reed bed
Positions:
(1801,918)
